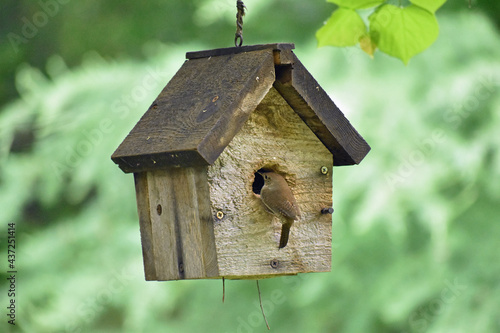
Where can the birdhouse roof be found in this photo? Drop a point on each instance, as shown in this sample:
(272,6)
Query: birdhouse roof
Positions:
(209,99)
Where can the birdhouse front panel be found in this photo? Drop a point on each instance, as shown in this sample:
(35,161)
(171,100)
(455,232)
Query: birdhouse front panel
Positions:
(275,139)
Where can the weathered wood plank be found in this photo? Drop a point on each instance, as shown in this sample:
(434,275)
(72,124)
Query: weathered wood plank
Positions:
(247,238)
(209,253)
(244,102)
(183,237)
(148,162)
(241,49)
(283,57)
(319,112)
(143,210)
(162,207)
(198,112)
(187,223)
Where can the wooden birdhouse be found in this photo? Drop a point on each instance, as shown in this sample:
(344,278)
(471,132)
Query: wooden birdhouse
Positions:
(226,115)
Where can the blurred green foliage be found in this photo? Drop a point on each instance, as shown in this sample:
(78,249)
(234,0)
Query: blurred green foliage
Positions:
(415,231)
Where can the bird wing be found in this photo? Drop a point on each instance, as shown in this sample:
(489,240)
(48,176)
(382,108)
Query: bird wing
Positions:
(281,205)
(288,209)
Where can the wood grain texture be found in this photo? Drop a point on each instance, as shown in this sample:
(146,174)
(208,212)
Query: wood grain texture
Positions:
(319,112)
(198,112)
(235,50)
(142,197)
(247,238)
(166,251)
(182,229)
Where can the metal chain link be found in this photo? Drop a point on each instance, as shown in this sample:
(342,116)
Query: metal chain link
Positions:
(238,39)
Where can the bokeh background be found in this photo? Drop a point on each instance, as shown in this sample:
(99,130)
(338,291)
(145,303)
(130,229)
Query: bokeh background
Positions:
(416,228)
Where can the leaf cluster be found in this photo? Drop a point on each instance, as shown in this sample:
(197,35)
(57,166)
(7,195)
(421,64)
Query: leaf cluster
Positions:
(400,31)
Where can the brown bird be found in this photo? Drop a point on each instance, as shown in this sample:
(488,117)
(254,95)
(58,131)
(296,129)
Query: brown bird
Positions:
(279,200)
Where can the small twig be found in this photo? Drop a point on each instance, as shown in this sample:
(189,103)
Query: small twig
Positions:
(223,289)
(261,307)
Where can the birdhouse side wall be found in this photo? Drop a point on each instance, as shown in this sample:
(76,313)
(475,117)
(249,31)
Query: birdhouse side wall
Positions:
(176,224)
(246,235)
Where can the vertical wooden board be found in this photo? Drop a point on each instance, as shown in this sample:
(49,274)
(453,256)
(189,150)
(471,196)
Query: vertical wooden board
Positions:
(184,245)
(206,222)
(161,192)
(247,237)
(143,210)
(189,236)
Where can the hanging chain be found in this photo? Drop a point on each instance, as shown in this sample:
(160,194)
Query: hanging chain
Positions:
(238,39)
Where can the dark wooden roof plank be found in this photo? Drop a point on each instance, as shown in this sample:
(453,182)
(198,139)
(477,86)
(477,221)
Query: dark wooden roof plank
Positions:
(203,100)
(319,112)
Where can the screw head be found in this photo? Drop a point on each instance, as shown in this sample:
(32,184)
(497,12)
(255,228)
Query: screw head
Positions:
(324,170)
(158,209)
(328,210)
(220,215)
(274,263)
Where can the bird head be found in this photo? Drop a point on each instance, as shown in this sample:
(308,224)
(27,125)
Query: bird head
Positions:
(269,177)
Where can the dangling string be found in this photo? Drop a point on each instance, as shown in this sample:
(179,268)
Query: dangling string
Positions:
(238,39)
(223,289)
(261,307)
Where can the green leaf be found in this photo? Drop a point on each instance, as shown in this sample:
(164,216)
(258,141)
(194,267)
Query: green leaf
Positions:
(343,28)
(430,5)
(357,4)
(403,32)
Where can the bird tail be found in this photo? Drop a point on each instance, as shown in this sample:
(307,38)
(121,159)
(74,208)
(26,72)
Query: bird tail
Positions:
(285,231)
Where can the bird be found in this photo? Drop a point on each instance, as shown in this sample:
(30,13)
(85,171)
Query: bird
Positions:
(279,200)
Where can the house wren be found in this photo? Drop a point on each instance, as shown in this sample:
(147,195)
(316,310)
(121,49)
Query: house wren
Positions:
(279,200)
